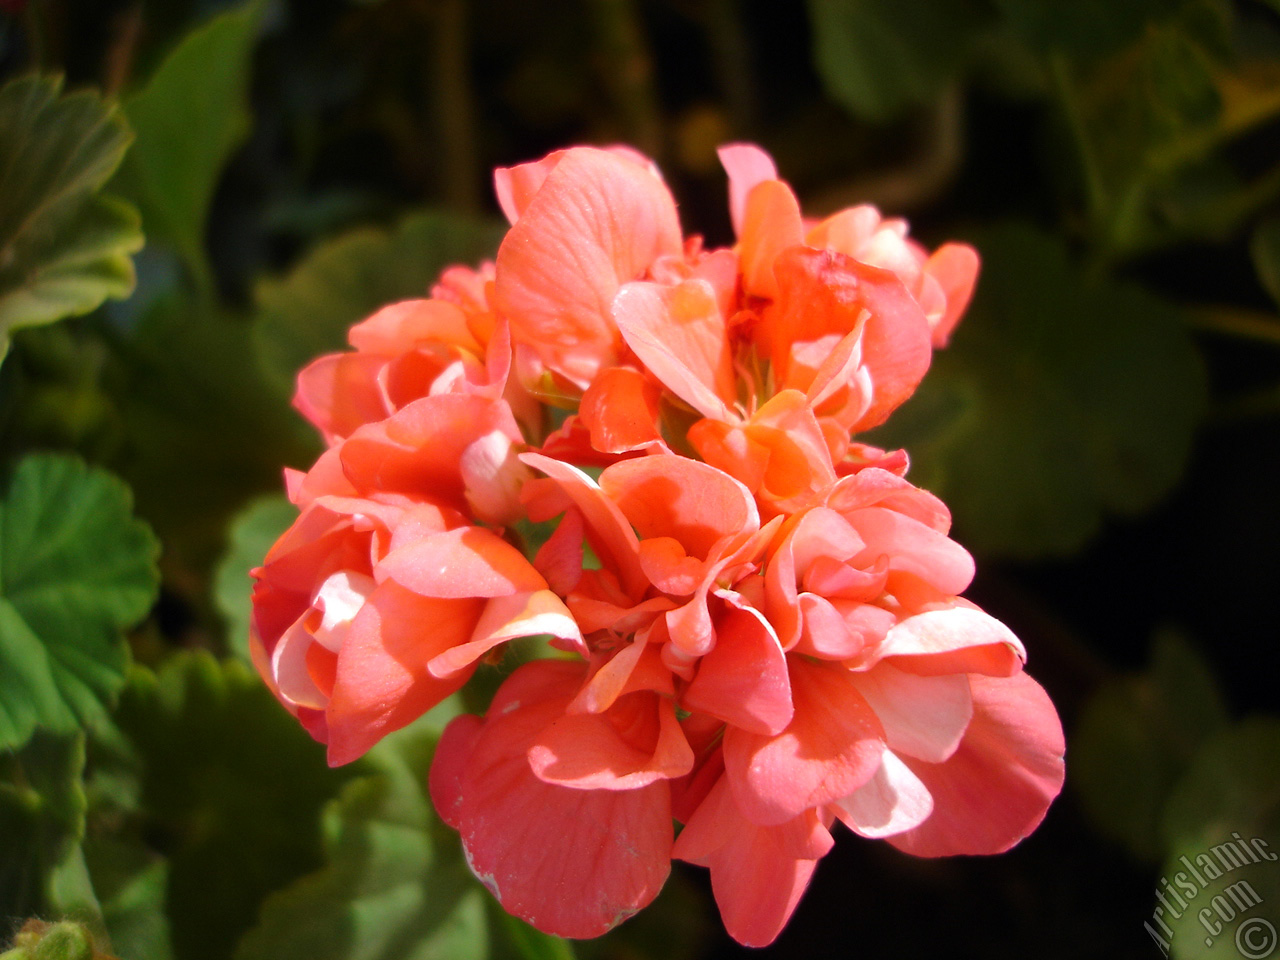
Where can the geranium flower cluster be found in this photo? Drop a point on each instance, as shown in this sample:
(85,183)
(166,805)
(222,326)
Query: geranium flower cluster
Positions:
(760,617)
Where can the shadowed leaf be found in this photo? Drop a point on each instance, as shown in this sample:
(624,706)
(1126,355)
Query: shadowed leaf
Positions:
(64,246)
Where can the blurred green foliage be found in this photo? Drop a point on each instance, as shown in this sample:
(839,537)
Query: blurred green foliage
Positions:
(1062,396)
(190,117)
(64,245)
(395,884)
(1105,415)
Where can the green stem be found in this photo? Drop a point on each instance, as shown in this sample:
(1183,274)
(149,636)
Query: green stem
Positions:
(1096,191)
(118,64)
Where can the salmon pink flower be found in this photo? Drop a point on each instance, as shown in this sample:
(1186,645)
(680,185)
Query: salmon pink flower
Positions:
(773,638)
(673,533)
(565,817)
(826,669)
(457,450)
(450,343)
(908,704)
(584,222)
(368,612)
(822,332)
(380,599)
(766,216)
(989,793)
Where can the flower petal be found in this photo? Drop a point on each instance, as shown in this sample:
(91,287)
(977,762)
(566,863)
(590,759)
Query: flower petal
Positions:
(831,747)
(912,547)
(678,332)
(673,496)
(997,786)
(743,680)
(746,164)
(382,681)
(923,717)
(597,221)
(610,533)
(398,327)
(770,223)
(756,875)
(573,863)
(621,409)
(339,393)
(530,614)
(449,764)
(637,741)
(464,562)
(418,451)
(891,802)
(955,267)
(956,640)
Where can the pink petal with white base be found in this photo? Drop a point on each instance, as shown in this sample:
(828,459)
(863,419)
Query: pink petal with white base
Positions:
(532,614)
(891,802)
(957,640)
(382,681)
(923,717)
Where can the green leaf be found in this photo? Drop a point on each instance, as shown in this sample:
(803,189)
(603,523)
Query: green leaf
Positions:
(1152,124)
(76,569)
(1266,257)
(231,791)
(308,312)
(1137,735)
(129,878)
(530,943)
(878,56)
(51,394)
(1060,399)
(1227,800)
(42,817)
(189,118)
(252,533)
(396,886)
(130,882)
(64,246)
(203,427)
